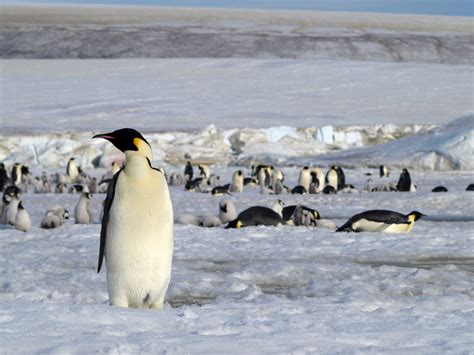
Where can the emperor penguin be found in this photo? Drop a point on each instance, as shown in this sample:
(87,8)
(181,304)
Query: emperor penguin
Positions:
(381,221)
(204,171)
(188,171)
(305,178)
(83,209)
(383,171)
(256,216)
(16,174)
(317,178)
(22,219)
(237,184)
(72,170)
(136,237)
(404,182)
(332,178)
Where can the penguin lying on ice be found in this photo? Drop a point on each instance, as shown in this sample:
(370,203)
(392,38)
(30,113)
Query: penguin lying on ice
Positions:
(381,221)
(255,216)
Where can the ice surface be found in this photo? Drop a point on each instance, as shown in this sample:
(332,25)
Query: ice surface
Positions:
(257,289)
(184,94)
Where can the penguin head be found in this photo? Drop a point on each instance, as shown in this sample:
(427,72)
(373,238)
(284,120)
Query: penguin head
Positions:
(223,206)
(20,206)
(236,223)
(128,139)
(415,216)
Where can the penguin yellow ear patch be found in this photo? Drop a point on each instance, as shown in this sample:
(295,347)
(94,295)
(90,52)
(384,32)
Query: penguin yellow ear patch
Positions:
(239,224)
(137,142)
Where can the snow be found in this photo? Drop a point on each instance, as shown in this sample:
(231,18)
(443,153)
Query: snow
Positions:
(191,94)
(260,289)
(256,289)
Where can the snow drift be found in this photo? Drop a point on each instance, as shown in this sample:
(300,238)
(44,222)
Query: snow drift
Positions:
(448,147)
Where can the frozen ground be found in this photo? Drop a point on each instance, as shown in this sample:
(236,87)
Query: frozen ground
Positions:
(184,94)
(257,289)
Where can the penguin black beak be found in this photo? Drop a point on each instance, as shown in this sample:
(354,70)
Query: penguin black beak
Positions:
(107,136)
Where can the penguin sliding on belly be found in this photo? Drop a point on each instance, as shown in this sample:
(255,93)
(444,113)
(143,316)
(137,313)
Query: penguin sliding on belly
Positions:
(256,216)
(136,238)
(381,221)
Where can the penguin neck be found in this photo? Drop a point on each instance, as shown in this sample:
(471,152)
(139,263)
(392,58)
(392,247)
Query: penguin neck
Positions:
(136,163)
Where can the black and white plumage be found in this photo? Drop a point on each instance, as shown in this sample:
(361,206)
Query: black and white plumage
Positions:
(256,216)
(136,237)
(404,182)
(381,221)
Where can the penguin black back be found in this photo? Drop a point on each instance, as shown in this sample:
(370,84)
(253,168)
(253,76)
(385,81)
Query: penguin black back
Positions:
(404,182)
(255,216)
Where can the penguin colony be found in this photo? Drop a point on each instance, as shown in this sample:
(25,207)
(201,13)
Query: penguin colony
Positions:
(136,238)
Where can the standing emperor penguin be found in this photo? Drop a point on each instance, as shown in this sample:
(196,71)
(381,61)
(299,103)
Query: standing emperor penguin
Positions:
(136,238)
(72,170)
(305,178)
(332,178)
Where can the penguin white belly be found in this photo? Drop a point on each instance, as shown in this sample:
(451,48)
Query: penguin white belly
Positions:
(399,228)
(139,246)
(364,225)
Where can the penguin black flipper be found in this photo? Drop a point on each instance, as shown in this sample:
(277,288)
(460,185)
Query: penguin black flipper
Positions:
(105,218)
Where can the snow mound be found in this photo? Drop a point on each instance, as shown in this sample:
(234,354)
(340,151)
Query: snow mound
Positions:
(448,147)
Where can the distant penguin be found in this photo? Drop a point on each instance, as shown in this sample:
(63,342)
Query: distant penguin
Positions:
(78,189)
(136,237)
(331,178)
(381,221)
(279,188)
(303,217)
(404,182)
(227,211)
(383,171)
(188,218)
(60,188)
(341,178)
(209,221)
(9,192)
(83,209)
(54,217)
(277,176)
(10,209)
(256,216)
(368,185)
(470,187)
(329,190)
(301,190)
(250,181)
(16,174)
(288,212)
(188,171)
(72,170)
(3,177)
(22,219)
(317,178)
(204,171)
(220,190)
(237,184)
(350,189)
(439,189)
(305,178)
